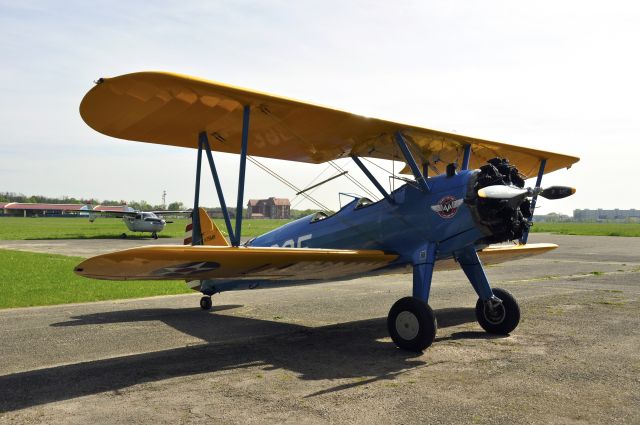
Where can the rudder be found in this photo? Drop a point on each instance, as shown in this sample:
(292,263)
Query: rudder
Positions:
(211,235)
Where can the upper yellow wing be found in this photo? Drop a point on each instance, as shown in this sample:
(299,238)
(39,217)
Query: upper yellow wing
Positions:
(172,109)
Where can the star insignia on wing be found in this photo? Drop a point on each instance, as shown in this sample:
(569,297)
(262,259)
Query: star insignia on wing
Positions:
(187,269)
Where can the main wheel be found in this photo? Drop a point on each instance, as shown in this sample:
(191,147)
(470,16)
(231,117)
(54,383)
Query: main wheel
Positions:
(154,235)
(502,318)
(412,324)
(206,303)
(123,236)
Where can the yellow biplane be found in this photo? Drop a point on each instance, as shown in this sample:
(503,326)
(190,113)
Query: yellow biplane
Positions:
(458,216)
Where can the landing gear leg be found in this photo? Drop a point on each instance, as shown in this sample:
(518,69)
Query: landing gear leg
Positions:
(411,322)
(206,303)
(154,235)
(497,310)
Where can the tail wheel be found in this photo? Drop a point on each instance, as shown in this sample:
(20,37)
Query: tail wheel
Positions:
(206,303)
(412,324)
(498,317)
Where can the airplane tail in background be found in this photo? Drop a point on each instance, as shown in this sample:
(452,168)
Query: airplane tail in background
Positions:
(211,235)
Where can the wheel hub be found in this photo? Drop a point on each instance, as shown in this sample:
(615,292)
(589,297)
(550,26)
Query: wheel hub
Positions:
(494,314)
(407,325)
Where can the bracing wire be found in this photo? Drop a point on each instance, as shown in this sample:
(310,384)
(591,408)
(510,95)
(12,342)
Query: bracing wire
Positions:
(332,163)
(286,182)
(376,165)
(354,181)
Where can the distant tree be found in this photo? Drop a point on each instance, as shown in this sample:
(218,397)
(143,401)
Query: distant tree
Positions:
(176,206)
(141,205)
(295,214)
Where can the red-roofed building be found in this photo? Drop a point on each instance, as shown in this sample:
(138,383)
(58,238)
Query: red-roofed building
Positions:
(113,208)
(268,208)
(33,210)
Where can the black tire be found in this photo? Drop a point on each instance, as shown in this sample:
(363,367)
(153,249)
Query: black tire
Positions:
(412,324)
(154,235)
(123,236)
(505,317)
(206,303)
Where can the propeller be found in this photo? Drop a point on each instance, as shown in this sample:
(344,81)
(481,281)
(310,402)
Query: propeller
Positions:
(557,192)
(509,192)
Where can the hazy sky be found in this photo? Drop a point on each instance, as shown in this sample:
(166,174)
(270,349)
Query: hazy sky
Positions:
(556,75)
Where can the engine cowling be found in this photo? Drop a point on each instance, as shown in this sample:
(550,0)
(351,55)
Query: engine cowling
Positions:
(500,220)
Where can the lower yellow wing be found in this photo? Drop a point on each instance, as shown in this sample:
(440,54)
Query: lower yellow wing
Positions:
(496,254)
(177,262)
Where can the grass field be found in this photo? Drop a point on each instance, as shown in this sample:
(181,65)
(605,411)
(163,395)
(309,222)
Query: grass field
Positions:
(31,279)
(589,229)
(18,228)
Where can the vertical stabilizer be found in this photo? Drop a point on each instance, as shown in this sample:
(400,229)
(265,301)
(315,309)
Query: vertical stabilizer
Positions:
(211,235)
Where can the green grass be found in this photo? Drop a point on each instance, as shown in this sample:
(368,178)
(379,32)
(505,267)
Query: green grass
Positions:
(589,229)
(32,279)
(17,228)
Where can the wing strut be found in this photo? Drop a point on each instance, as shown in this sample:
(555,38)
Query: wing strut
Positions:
(241,178)
(525,234)
(466,157)
(216,181)
(203,143)
(373,180)
(195,216)
(402,143)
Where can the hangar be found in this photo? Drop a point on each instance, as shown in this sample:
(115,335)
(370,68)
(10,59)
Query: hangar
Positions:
(23,209)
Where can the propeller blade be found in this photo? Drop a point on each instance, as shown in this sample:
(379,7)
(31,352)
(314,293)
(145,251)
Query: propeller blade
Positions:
(501,192)
(557,192)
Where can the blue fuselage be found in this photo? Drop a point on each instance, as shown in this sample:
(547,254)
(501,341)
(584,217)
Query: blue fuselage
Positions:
(413,219)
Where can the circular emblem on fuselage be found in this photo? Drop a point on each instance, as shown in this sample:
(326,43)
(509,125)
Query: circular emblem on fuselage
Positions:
(447,207)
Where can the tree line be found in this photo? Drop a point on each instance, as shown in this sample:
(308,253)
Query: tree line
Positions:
(39,199)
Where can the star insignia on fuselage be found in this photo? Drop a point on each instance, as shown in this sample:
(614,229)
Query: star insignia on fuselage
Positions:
(187,269)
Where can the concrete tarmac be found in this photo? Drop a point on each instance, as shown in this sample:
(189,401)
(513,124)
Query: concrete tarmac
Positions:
(321,354)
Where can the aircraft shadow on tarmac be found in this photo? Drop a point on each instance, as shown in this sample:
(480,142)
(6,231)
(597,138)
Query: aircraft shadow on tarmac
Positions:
(344,350)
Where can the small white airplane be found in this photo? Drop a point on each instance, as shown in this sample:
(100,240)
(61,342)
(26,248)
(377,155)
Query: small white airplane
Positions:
(136,221)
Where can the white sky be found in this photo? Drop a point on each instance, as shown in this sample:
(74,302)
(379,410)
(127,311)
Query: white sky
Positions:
(556,75)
